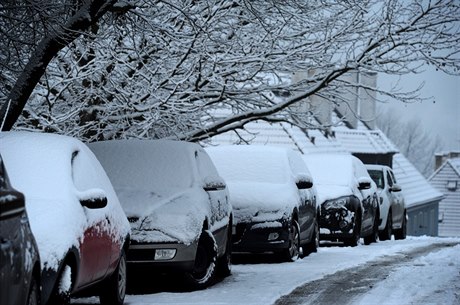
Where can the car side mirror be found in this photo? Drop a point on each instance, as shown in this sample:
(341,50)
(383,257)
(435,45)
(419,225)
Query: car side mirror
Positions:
(304,182)
(214,183)
(395,188)
(93,199)
(364,183)
(302,185)
(12,204)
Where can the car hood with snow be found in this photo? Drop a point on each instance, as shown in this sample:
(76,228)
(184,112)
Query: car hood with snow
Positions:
(261,180)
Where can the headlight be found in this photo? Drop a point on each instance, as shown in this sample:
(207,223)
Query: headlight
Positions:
(336,204)
(164,254)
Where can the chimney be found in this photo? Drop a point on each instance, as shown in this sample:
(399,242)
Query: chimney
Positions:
(367,99)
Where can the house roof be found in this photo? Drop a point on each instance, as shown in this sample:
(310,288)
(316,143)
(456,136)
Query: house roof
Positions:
(416,189)
(454,163)
(279,134)
(364,141)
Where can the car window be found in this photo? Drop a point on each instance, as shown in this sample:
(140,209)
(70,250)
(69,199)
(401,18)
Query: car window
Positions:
(390,180)
(205,166)
(378,177)
(2,175)
(393,178)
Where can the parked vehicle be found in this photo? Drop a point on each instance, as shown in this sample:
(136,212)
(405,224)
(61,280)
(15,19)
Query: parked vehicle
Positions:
(348,198)
(393,216)
(177,204)
(19,258)
(81,230)
(273,198)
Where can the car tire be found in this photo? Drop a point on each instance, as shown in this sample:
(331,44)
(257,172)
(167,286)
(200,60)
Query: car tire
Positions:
(204,270)
(401,233)
(313,245)
(224,263)
(354,239)
(292,252)
(33,297)
(113,290)
(386,233)
(62,287)
(374,237)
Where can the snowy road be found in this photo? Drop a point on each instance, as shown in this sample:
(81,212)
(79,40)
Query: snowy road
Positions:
(418,270)
(351,285)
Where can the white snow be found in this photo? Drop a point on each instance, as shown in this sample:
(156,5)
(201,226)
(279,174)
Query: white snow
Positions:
(161,183)
(261,179)
(430,279)
(336,175)
(54,172)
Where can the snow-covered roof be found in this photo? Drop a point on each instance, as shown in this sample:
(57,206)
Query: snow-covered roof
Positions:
(416,189)
(364,141)
(454,163)
(279,134)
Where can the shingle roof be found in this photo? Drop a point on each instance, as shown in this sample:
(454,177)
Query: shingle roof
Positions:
(280,134)
(417,190)
(364,141)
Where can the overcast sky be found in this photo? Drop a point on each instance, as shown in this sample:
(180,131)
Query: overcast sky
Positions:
(440,115)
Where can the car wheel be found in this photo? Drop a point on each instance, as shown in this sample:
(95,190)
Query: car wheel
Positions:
(354,239)
(203,273)
(224,263)
(34,296)
(63,287)
(313,245)
(114,288)
(385,234)
(401,233)
(374,237)
(292,253)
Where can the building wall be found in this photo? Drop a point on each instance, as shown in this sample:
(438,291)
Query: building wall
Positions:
(423,219)
(449,207)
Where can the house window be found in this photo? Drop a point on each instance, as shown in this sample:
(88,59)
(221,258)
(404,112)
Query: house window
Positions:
(451,185)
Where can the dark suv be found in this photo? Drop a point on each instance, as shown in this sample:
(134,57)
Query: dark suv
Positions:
(19,258)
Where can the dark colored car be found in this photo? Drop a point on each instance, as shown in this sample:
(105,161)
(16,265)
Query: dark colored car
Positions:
(348,198)
(177,205)
(81,230)
(273,199)
(19,258)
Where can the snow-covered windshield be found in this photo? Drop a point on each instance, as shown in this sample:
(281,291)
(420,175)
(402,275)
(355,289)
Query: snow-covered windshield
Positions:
(330,169)
(159,168)
(377,176)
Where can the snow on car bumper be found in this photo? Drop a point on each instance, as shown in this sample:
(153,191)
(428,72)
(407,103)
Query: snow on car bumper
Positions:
(261,237)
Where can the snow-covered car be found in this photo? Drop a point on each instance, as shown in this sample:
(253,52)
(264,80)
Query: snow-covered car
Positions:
(273,199)
(393,216)
(81,230)
(177,204)
(19,258)
(348,198)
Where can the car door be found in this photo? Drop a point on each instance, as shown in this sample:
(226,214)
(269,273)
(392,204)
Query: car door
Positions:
(307,203)
(217,193)
(397,199)
(96,245)
(13,276)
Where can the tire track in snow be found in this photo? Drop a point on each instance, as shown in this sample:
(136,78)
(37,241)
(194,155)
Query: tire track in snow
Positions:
(343,286)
